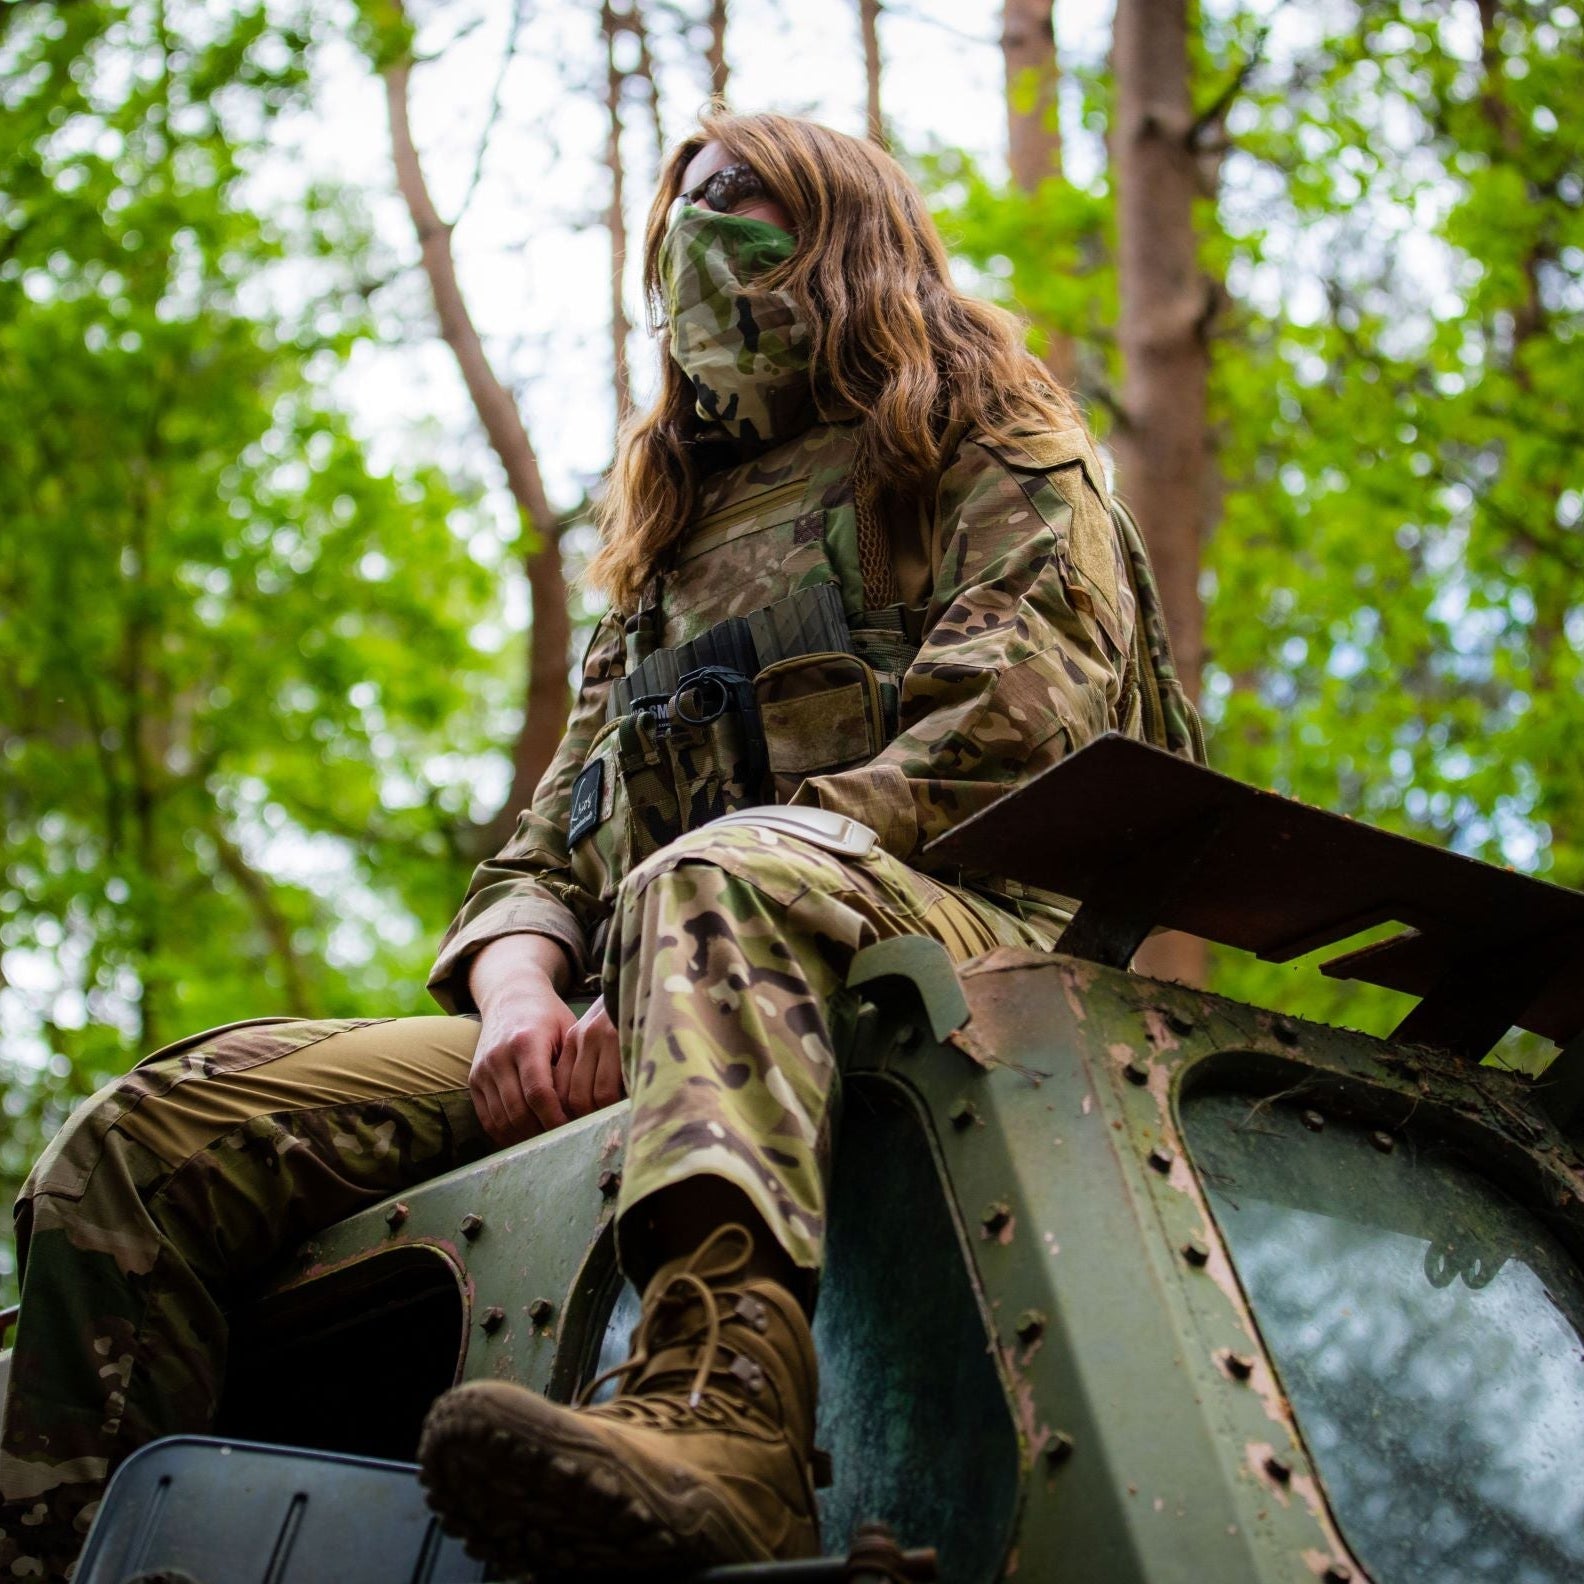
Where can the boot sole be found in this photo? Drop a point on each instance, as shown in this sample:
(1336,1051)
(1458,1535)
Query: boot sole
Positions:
(543,1495)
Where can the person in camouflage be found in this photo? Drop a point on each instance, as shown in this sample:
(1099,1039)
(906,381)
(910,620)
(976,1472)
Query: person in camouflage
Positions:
(835,419)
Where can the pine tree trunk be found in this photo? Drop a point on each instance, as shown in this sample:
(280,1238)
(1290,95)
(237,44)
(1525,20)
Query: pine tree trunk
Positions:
(1162,440)
(1034,141)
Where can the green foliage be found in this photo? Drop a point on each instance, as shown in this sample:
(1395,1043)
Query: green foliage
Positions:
(237,688)
(1395,588)
(1046,252)
(243,700)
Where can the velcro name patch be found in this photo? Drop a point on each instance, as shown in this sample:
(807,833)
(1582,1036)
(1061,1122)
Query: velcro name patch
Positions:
(586,791)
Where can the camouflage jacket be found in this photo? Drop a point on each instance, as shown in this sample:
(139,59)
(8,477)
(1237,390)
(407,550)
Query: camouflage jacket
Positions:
(1018,587)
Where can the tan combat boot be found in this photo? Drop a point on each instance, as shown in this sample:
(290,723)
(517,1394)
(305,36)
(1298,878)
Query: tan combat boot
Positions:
(706,1455)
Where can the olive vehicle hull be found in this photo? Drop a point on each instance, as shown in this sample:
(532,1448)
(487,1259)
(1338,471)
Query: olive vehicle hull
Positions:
(1127,1284)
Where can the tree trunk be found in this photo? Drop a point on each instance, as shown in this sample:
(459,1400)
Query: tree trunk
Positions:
(638,26)
(615,213)
(869,24)
(1034,142)
(715,52)
(1162,440)
(545,694)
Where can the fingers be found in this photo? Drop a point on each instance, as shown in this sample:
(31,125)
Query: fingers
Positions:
(596,1075)
(565,1064)
(608,1084)
(533,1055)
(512,1083)
(487,1104)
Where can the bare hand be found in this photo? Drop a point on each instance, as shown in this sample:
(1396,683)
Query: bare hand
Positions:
(524,1023)
(588,1072)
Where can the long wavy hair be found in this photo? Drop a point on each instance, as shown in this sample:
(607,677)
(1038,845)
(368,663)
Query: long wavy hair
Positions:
(892,338)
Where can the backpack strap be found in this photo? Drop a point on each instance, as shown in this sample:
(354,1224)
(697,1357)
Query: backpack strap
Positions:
(1170,719)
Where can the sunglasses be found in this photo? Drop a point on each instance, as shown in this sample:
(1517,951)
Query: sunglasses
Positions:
(727,190)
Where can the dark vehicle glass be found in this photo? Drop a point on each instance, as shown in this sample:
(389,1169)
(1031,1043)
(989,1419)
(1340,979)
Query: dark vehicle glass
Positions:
(1426,1328)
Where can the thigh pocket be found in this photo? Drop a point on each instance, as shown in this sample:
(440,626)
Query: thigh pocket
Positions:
(821,713)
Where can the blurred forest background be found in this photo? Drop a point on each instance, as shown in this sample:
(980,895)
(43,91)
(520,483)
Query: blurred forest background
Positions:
(316,318)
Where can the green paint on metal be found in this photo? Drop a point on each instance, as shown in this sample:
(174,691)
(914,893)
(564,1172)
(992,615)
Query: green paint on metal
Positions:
(926,965)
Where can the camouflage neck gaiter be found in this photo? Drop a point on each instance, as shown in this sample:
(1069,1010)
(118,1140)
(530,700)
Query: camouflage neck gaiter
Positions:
(746,349)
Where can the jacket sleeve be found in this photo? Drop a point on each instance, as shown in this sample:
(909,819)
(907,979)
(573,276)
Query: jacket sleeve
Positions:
(527,887)
(1026,637)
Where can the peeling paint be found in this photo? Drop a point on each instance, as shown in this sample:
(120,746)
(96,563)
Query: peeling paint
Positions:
(1262,1380)
(1318,1561)
(1031,1432)
(1258,1454)
(1304,1486)
(1074,1001)
(1088,1104)
(1159,1031)
(1120,1052)
(1080,974)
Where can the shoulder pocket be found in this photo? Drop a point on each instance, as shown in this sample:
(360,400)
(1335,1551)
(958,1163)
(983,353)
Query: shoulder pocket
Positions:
(1092,555)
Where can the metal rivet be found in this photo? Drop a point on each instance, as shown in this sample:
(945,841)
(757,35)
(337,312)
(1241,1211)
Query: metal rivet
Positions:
(1383,1141)
(1239,1366)
(308,1254)
(1285,1030)
(540,1310)
(963,1114)
(609,1183)
(1058,1449)
(996,1216)
(1314,1121)
(1136,1071)
(493,1318)
(472,1225)
(1030,1325)
(396,1215)
(1196,1251)
(1177,1021)
(1279,1469)
(1161,1158)
(1337,1573)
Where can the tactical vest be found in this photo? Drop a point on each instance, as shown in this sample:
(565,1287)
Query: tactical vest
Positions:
(760,655)
(752,662)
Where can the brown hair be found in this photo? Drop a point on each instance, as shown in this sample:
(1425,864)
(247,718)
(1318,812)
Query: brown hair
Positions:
(893,338)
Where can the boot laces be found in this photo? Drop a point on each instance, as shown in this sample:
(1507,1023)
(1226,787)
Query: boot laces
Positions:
(684,1287)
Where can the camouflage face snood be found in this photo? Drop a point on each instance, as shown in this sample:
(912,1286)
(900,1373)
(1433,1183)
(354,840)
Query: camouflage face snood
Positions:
(745,349)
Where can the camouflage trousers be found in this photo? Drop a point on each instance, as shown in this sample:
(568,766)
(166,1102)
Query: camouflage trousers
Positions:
(168,1193)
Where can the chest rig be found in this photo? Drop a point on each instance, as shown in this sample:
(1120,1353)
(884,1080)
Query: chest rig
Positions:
(763,653)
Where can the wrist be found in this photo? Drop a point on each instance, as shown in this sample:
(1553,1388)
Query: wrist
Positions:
(518,968)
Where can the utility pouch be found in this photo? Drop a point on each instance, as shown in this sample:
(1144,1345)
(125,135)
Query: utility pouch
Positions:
(667,766)
(820,713)
(714,745)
